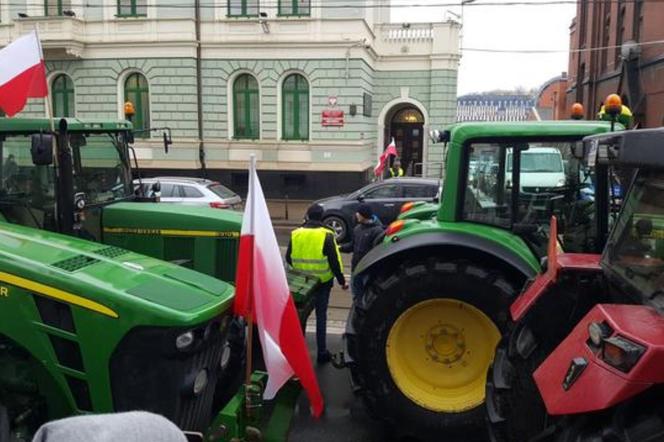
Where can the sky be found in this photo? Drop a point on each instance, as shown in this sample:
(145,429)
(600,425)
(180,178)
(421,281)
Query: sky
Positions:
(502,27)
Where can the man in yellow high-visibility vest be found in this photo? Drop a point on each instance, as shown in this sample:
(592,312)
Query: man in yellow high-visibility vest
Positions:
(313,249)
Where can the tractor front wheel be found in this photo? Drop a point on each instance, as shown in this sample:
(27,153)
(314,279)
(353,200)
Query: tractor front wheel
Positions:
(425,336)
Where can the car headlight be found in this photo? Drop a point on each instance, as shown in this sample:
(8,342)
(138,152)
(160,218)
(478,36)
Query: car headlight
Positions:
(561,182)
(184,341)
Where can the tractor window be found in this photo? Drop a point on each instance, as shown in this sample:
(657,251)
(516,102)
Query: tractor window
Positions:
(635,250)
(99,169)
(551,181)
(27,192)
(487,198)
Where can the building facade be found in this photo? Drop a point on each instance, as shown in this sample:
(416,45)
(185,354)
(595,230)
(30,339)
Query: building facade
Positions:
(615,49)
(551,99)
(495,107)
(314,88)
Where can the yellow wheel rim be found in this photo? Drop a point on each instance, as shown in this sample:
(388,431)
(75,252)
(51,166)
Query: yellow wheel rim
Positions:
(438,353)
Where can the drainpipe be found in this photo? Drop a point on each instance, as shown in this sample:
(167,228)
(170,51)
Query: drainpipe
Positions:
(199,88)
(359,44)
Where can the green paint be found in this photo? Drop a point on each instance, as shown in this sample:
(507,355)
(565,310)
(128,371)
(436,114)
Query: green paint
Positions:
(295,108)
(246,109)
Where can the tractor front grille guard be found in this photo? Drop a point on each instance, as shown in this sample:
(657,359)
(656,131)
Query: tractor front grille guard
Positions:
(170,371)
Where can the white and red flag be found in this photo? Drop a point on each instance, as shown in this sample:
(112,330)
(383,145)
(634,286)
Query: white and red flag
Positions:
(390,150)
(262,293)
(22,73)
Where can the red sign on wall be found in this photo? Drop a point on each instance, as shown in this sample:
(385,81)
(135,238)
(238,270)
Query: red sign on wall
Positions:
(332,117)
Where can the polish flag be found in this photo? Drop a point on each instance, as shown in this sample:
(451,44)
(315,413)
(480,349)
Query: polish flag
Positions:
(262,292)
(22,73)
(390,150)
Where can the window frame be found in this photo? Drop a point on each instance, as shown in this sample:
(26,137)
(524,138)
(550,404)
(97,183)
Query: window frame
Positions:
(55,92)
(133,8)
(138,104)
(294,8)
(247,94)
(244,9)
(60,8)
(297,93)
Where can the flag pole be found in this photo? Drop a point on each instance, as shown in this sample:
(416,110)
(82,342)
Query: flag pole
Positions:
(250,316)
(48,103)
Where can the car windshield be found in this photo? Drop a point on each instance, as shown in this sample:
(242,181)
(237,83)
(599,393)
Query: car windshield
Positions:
(221,191)
(538,162)
(635,250)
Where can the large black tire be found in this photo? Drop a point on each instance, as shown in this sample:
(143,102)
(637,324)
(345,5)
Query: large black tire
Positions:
(515,409)
(389,295)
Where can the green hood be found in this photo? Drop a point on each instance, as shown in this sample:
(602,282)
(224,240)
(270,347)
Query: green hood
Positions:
(108,279)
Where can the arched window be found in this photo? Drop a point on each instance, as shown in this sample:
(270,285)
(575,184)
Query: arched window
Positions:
(136,90)
(246,112)
(62,94)
(295,108)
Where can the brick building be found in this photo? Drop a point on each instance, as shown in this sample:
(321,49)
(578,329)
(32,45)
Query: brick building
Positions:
(551,99)
(237,77)
(625,65)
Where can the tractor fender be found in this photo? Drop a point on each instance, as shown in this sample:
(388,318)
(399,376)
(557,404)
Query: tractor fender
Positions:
(575,379)
(472,243)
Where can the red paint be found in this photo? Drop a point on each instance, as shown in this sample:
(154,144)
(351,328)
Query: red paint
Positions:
(332,118)
(601,386)
(556,264)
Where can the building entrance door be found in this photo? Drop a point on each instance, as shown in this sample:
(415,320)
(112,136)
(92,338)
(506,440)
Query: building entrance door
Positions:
(407,127)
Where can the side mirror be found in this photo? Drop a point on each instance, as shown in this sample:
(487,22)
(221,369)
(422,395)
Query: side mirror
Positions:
(155,188)
(360,197)
(42,149)
(167,141)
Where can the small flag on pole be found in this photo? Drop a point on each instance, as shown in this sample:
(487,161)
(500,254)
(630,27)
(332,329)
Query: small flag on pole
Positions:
(22,73)
(262,294)
(390,150)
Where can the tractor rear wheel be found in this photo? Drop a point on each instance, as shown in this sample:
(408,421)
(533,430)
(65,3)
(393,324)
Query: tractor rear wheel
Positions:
(423,338)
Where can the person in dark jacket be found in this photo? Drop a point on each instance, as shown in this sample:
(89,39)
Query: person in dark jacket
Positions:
(313,249)
(368,231)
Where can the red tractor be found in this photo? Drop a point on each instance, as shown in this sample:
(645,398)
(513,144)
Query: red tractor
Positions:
(584,360)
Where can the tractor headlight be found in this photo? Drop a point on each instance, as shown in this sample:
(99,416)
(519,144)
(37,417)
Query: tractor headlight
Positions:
(184,341)
(621,353)
(200,382)
(225,357)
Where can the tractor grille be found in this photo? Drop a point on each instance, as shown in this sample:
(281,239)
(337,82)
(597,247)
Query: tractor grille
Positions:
(75,263)
(149,373)
(111,251)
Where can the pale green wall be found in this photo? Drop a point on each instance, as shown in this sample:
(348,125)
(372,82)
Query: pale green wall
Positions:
(173,97)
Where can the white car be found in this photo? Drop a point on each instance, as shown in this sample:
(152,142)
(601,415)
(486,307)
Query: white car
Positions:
(193,191)
(541,168)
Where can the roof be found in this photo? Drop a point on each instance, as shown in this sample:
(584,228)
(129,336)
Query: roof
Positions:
(413,179)
(32,125)
(181,179)
(461,132)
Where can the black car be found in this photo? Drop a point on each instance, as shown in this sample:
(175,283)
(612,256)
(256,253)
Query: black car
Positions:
(385,198)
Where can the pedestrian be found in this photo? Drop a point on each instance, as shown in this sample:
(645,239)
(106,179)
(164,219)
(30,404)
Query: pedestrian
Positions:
(395,170)
(368,231)
(312,248)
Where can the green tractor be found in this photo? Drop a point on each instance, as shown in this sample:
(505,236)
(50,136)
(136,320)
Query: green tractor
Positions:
(111,301)
(438,289)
